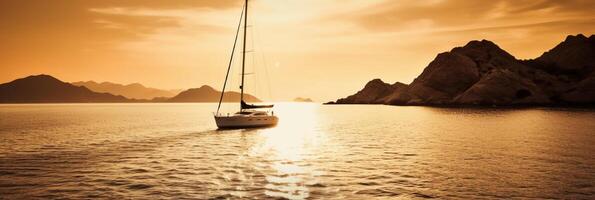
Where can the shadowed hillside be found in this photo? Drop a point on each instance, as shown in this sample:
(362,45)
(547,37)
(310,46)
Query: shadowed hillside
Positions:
(481,73)
(208,94)
(47,89)
(133,91)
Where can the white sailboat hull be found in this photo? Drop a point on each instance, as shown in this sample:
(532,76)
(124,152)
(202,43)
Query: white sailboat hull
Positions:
(238,121)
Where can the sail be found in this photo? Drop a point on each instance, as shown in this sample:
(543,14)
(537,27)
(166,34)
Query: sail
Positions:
(244,22)
(252,106)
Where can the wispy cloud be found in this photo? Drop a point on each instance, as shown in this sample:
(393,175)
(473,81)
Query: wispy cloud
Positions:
(392,16)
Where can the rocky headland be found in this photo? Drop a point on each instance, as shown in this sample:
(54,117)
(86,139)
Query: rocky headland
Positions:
(482,74)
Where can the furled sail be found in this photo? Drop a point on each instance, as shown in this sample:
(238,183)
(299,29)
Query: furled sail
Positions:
(252,106)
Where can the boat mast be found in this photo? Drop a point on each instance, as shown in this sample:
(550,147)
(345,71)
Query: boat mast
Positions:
(244,52)
(235,41)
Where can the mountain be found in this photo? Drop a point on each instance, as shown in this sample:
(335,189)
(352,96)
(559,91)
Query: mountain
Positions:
(133,91)
(208,94)
(47,89)
(573,56)
(481,73)
(301,99)
(375,91)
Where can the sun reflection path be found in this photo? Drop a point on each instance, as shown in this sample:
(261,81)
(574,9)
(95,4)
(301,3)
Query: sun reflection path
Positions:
(288,150)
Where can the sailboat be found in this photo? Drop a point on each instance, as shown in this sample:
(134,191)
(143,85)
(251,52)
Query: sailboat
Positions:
(249,115)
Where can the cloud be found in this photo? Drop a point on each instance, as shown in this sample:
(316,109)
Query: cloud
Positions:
(392,16)
(28,18)
(70,37)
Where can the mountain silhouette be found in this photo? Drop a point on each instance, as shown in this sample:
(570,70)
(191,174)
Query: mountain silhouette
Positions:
(132,91)
(375,91)
(208,94)
(47,89)
(573,56)
(481,73)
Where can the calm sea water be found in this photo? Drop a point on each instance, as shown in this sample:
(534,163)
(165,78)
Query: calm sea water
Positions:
(172,151)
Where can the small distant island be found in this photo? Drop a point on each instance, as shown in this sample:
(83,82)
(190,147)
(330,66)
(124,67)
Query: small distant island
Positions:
(302,99)
(482,74)
(47,89)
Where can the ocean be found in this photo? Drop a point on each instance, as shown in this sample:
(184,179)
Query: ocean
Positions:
(174,151)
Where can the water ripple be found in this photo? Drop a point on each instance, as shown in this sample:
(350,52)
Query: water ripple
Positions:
(171,151)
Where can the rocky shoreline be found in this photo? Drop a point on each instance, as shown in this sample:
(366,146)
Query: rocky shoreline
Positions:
(482,74)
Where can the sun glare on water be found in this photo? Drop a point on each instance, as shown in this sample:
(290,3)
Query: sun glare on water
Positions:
(288,146)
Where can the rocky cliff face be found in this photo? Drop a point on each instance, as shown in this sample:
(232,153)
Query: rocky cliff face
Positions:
(481,73)
(583,92)
(573,56)
(502,87)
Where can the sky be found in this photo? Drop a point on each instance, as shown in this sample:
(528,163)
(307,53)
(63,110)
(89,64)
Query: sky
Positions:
(321,49)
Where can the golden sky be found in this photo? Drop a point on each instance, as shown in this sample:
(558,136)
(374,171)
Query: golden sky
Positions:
(322,49)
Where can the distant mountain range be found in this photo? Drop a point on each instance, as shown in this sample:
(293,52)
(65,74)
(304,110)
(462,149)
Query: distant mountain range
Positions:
(208,94)
(481,73)
(132,91)
(47,89)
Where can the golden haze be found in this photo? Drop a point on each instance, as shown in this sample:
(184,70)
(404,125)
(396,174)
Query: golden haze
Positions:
(318,49)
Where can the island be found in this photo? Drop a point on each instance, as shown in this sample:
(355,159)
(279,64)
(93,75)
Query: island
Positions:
(48,89)
(482,74)
(302,99)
